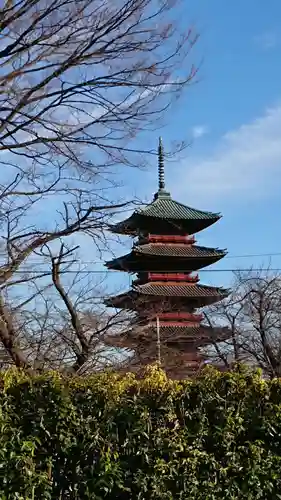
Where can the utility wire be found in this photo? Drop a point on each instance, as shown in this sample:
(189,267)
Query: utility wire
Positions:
(242,256)
(252,255)
(102,271)
(46,272)
(226,257)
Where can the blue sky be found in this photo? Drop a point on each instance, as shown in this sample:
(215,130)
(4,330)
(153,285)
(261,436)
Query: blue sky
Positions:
(232,116)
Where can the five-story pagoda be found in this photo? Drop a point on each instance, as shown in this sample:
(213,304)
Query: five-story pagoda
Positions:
(166,294)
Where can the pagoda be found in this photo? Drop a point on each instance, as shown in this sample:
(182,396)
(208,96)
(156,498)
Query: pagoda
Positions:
(166,294)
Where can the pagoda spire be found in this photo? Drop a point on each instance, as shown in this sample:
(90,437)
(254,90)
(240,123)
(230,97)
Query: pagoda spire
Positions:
(161,169)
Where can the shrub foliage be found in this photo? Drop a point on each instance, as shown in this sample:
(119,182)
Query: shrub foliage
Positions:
(112,437)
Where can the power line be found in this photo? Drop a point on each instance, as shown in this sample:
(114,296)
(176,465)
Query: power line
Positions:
(273,254)
(242,256)
(102,271)
(253,255)
(46,272)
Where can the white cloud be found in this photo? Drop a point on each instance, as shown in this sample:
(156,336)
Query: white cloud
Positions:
(198,131)
(245,163)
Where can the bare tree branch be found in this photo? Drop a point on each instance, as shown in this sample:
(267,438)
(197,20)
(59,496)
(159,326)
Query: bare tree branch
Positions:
(78,82)
(253,314)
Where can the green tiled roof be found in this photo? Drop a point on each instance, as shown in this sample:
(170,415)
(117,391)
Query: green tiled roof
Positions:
(179,290)
(165,207)
(148,290)
(171,256)
(171,213)
(178,250)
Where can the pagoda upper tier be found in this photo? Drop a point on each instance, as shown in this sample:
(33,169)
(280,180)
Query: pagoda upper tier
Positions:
(168,215)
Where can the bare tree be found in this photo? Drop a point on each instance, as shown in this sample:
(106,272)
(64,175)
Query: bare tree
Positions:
(253,315)
(62,323)
(78,81)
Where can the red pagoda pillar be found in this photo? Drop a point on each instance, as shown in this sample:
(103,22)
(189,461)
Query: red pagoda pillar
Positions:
(166,293)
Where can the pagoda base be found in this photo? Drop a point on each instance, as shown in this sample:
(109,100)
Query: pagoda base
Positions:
(177,365)
(179,347)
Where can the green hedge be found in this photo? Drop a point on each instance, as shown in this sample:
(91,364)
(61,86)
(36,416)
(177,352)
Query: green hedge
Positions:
(107,437)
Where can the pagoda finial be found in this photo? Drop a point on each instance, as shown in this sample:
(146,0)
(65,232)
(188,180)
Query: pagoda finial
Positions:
(161,172)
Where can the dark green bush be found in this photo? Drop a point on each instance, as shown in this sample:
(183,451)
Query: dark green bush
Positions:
(107,437)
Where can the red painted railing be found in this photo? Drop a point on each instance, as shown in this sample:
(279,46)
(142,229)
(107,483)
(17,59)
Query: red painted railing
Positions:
(170,238)
(184,316)
(186,277)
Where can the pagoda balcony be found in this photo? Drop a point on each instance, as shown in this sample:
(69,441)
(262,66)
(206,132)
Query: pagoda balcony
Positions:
(174,277)
(175,324)
(186,277)
(167,238)
(153,312)
(181,316)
